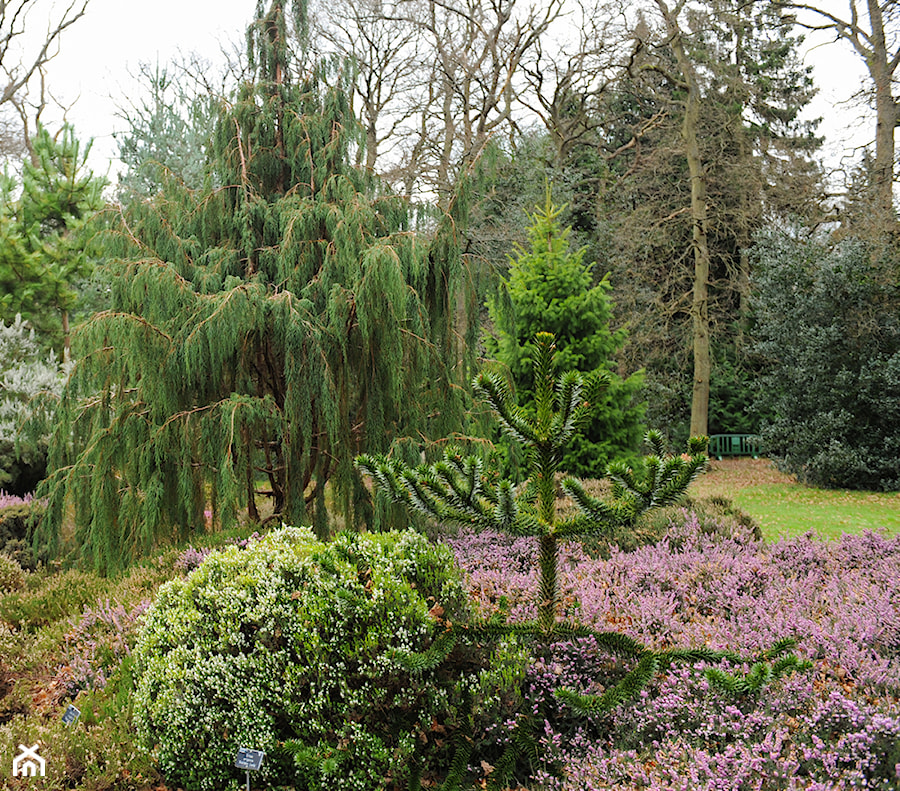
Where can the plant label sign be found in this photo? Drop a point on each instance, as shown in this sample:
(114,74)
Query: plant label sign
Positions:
(249,760)
(71,715)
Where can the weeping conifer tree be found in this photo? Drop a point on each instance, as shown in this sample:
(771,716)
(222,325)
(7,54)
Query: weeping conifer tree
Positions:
(265,329)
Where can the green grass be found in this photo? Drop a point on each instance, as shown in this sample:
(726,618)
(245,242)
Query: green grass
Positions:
(785,510)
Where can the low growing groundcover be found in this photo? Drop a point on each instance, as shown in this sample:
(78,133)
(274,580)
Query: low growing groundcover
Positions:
(784,507)
(834,726)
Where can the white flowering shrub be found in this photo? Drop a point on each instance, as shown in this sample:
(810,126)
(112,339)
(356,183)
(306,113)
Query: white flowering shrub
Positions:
(12,578)
(29,383)
(299,642)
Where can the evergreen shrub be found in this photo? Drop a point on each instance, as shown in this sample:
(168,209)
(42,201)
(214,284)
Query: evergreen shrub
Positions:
(11,575)
(297,643)
(16,520)
(26,376)
(551,288)
(828,323)
(49,598)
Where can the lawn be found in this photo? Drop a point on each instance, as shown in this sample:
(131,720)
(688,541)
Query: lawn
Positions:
(784,508)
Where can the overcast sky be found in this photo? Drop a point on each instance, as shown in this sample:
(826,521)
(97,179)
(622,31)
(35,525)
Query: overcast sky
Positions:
(115,36)
(99,52)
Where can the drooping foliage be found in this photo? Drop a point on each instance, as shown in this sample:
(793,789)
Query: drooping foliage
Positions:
(460,490)
(46,233)
(266,328)
(827,324)
(551,288)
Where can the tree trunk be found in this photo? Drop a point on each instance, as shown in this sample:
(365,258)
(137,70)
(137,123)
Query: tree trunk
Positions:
(700,303)
(887,112)
(699,234)
(67,340)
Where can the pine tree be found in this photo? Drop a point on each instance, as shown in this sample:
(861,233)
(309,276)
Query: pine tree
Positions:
(269,326)
(169,132)
(550,288)
(47,228)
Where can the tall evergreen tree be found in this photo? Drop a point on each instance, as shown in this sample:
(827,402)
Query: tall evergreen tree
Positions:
(169,132)
(269,328)
(552,289)
(47,229)
(709,145)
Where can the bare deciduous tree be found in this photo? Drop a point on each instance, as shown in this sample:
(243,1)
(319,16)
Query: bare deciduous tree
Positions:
(568,72)
(436,79)
(384,43)
(21,57)
(24,54)
(872,28)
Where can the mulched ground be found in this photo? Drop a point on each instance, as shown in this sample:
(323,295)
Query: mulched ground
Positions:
(729,474)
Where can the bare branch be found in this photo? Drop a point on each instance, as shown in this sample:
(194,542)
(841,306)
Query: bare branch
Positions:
(13,17)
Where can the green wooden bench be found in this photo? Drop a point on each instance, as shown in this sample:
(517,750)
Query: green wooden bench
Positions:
(721,445)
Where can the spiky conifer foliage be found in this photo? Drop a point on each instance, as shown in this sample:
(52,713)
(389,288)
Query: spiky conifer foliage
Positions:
(551,288)
(267,326)
(45,234)
(459,490)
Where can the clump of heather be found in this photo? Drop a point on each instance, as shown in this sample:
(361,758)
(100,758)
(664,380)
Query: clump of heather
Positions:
(796,734)
(836,726)
(96,645)
(190,558)
(7,500)
(247,542)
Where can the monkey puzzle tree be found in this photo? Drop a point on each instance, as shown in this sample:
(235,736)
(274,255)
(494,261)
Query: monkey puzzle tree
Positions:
(460,490)
(263,329)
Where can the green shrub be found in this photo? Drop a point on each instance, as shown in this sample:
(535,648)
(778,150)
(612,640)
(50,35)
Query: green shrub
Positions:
(96,754)
(11,575)
(551,289)
(828,323)
(59,596)
(29,381)
(15,523)
(294,641)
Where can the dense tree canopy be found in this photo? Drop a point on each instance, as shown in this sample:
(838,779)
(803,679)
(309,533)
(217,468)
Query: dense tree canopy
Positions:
(267,328)
(276,308)
(828,323)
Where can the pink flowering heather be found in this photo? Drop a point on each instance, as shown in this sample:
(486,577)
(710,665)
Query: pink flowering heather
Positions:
(97,643)
(190,558)
(836,726)
(7,500)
